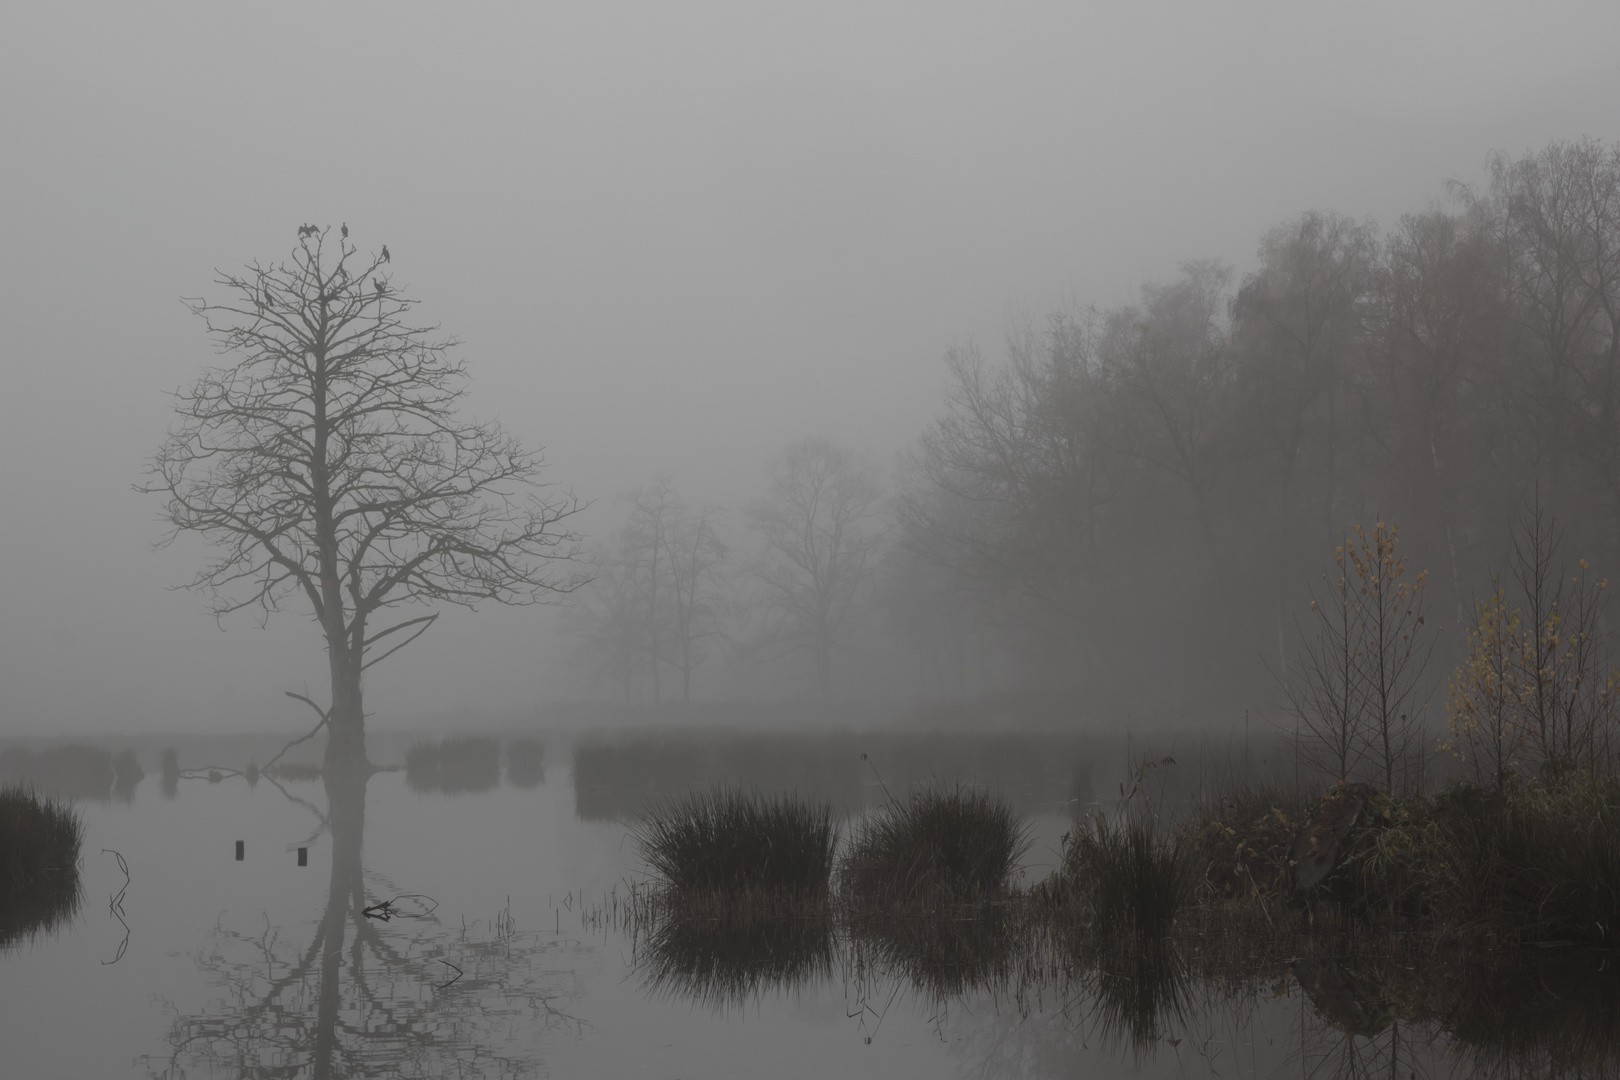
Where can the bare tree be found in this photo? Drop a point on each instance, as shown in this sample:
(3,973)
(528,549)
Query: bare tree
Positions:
(327,462)
(1393,647)
(652,513)
(607,618)
(821,545)
(1326,695)
(1170,365)
(655,594)
(695,555)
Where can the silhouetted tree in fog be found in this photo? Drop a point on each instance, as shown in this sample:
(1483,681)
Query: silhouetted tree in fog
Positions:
(327,463)
(820,524)
(655,598)
(1297,323)
(608,617)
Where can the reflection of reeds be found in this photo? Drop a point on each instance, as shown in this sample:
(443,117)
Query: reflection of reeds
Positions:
(944,952)
(39,871)
(942,846)
(453,766)
(1138,990)
(723,955)
(525,763)
(1540,1012)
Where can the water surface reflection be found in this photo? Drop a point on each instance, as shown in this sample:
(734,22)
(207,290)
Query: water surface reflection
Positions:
(381,988)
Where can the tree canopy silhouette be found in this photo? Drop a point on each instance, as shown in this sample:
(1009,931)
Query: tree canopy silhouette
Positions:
(327,462)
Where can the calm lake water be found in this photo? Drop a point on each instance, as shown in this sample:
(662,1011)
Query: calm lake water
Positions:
(499,955)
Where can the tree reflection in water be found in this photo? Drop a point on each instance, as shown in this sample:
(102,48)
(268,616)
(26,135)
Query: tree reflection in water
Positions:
(369,996)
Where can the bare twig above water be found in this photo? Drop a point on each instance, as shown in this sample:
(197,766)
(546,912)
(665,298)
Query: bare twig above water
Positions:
(115,906)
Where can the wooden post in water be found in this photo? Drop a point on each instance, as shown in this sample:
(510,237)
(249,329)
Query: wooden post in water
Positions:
(241,850)
(303,856)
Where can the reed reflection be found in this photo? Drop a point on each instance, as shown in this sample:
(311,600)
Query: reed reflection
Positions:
(379,988)
(40,842)
(721,963)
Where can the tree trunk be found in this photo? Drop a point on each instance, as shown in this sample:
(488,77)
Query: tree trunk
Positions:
(346,730)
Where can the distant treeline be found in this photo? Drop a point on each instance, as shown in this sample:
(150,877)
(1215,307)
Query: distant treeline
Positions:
(1142,498)
(1138,503)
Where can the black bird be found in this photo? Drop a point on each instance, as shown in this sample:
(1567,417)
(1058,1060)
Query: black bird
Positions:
(385,254)
(267,296)
(345,230)
(381,288)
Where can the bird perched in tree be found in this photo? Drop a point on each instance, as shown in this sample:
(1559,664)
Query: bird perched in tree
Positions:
(344,228)
(267,296)
(381,288)
(385,254)
(307,230)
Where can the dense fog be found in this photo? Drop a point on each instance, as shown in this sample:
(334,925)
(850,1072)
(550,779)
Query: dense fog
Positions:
(1035,358)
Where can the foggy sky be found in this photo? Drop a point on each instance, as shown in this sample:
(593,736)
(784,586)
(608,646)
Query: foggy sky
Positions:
(671,237)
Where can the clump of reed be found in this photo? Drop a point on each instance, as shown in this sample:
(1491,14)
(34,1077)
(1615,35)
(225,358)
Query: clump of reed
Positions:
(1132,875)
(731,843)
(943,846)
(525,763)
(453,766)
(39,863)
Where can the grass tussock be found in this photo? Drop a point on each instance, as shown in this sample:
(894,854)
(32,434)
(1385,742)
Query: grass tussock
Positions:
(942,846)
(729,843)
(39,863)
(1132,875)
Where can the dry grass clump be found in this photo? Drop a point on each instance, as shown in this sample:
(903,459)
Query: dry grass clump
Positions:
(943,846)
(730,843)
(39,863)
(1132,874)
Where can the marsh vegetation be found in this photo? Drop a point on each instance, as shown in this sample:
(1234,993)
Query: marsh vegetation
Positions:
(40,838)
